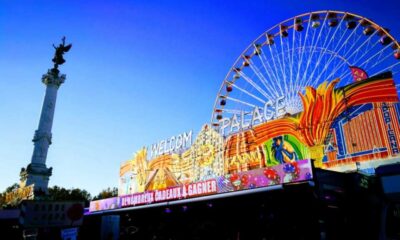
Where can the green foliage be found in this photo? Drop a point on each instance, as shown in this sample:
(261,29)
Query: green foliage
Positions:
(11,188)
(57,193)
(107,193)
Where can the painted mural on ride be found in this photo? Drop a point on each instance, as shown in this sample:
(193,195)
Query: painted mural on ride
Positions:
(339,127)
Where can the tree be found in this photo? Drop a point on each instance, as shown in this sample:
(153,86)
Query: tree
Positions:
(107,193)
(12,188)
(57,193)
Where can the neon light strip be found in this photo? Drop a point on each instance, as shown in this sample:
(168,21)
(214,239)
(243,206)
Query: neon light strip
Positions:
(196,199)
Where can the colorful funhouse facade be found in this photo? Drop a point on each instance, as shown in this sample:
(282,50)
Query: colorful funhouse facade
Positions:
(338,129)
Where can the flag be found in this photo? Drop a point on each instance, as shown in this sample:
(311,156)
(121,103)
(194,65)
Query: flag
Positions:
(358,74)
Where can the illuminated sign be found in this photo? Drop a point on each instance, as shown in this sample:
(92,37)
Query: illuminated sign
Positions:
(172,144)
(104,204)
(338,127)
(245,180)
(179,192)
(357,122)
(259,115)
(389,129)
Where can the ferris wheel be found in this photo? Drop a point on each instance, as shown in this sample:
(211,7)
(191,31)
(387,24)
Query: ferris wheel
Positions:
(305,50)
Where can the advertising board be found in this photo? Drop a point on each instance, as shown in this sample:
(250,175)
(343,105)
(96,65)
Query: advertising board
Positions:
(104,204)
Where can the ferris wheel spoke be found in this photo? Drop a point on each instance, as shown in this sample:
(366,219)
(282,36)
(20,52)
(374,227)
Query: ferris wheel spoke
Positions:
(290,62)
(295,41)
(232,111)
(281,66)
(356,51)
(275,67)
(382,58)
(270,72)
(262,78)
(282,53)
(387,69)
(377,54)
(337,51)
(339,27)
(241,102)
(359,51)
(367,41)
(350,50)
(310,80)
(362,65)
(324,47)
(321,54)
(301,55)
(248,93)
(375,63)
(346,41)
(287,55)
(305,76)
(295,59)
(255,85)
(291,55)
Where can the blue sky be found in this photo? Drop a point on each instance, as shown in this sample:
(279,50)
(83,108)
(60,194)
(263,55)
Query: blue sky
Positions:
(138,72)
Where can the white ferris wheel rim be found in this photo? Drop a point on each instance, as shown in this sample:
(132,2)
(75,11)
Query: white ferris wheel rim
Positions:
(276,31)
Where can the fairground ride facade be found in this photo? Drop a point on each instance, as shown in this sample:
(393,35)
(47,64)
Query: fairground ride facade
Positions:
(320,90)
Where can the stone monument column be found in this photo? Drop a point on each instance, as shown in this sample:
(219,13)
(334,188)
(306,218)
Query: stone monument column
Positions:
(37,172)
